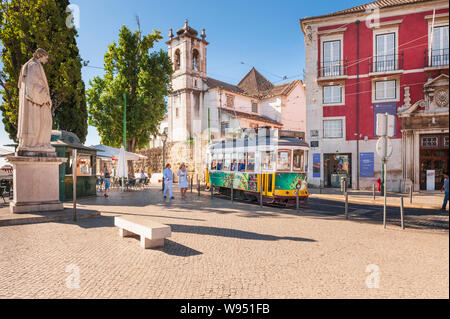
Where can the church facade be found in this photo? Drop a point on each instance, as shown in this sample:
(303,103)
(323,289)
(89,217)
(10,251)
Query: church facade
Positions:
(202,110)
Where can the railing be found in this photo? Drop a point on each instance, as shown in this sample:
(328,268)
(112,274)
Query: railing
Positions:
(386,63)
(437,58)
(332,68)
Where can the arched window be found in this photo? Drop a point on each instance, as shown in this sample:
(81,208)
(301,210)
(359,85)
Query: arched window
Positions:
(177,60)
(196,60)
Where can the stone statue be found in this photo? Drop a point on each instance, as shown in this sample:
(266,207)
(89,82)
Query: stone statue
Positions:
(35,109)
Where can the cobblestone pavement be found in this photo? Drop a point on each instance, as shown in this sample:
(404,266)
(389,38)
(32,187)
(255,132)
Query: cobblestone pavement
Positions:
(220,250)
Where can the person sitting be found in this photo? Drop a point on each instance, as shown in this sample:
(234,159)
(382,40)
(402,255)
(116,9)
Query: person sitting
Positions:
(241,167)
(234,166)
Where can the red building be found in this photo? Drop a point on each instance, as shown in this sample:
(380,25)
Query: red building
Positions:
(388,56)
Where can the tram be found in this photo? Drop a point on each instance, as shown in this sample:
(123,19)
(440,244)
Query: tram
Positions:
(278,165)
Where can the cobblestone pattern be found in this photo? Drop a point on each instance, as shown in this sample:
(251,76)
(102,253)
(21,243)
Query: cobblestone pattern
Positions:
(220,251)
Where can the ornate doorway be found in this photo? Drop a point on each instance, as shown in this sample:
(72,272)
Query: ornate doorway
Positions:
(433,156)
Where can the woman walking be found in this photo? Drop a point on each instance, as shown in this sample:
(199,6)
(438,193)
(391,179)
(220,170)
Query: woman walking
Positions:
(107,179)
(183,182)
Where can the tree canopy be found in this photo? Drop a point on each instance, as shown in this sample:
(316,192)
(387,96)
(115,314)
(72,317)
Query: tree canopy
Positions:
(24,27)
(144,76)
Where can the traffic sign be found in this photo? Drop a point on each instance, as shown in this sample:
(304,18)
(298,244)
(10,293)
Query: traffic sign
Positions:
(385,125)
(383,151)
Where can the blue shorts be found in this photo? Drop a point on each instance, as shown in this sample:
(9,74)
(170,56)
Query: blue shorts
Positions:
(107,183)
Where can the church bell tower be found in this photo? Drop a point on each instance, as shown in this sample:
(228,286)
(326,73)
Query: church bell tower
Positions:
(188,54)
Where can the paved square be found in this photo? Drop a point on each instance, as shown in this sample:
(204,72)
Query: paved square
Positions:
(220,250)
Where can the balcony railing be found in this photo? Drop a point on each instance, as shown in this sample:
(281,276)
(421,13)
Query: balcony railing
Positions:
(437,58)
(332,68)
(386,63)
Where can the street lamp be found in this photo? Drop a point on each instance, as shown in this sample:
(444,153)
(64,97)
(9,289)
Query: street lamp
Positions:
(164,140)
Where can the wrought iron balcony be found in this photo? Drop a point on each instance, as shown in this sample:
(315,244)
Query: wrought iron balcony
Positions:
(386,63)
(437,58)
(331,69)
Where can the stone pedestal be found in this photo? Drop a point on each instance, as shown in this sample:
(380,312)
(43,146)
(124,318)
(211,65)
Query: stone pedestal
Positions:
(36,184)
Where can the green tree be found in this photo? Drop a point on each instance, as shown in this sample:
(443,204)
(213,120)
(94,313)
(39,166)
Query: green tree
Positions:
(144,76)
(24,27)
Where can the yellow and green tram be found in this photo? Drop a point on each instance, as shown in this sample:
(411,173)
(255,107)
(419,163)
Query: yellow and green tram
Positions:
(279,167)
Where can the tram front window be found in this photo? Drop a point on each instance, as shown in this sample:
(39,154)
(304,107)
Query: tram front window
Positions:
(251,162)
(220,162)
(284,160)
(299,160)
(241,162)
(227,162)
(268,161)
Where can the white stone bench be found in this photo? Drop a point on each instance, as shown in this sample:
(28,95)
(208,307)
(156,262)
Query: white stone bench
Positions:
(152,233)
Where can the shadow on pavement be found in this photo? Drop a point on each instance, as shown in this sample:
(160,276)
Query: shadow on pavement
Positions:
(175,249)
(230,233)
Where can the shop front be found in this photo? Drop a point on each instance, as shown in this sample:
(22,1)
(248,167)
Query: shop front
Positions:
(337,166)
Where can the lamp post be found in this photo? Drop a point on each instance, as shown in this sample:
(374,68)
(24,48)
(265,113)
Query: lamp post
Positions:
(164,140)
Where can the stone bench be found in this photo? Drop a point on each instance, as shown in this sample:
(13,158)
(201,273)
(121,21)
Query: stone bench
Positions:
(152,233)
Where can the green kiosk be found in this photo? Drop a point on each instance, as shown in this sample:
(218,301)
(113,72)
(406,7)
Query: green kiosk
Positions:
(65,142)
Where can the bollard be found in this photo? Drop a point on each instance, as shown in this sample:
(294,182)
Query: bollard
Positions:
(297,197)
(192,183)
(402,212)
(261,192)
(232,186)
(198,186)
(410,194)
(346,205)
(374,196)
(211,186)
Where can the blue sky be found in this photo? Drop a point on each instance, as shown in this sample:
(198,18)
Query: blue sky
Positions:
(261,33)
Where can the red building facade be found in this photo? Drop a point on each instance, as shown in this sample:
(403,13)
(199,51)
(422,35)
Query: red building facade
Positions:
(378,58)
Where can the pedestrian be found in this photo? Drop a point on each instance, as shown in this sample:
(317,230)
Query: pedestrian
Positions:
(168,179)
(445,188)
(183,182)
(106,178)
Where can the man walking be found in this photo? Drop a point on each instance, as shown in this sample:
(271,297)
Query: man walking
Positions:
(168,179)
(445,187)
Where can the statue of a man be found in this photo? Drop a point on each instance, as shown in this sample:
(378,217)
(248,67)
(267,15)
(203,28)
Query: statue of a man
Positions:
(35,107)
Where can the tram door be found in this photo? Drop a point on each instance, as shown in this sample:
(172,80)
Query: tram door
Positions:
(268,184)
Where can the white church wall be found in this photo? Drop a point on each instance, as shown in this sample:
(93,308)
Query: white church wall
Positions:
(271,108)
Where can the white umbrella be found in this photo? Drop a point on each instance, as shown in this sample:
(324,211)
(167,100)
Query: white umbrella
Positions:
(123,167)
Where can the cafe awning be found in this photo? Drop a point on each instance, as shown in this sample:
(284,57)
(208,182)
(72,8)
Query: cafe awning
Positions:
(112,153)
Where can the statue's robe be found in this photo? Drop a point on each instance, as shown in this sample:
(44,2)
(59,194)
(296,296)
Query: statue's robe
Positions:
(35,115)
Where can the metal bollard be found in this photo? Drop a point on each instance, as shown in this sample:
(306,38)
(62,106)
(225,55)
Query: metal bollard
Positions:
(346,205)
(402,213)
(192,182)
(232,186)
(297,197)
(261,192)
(198,186)
(374,196)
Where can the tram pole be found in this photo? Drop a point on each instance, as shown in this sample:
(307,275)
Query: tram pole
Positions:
(402,213)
